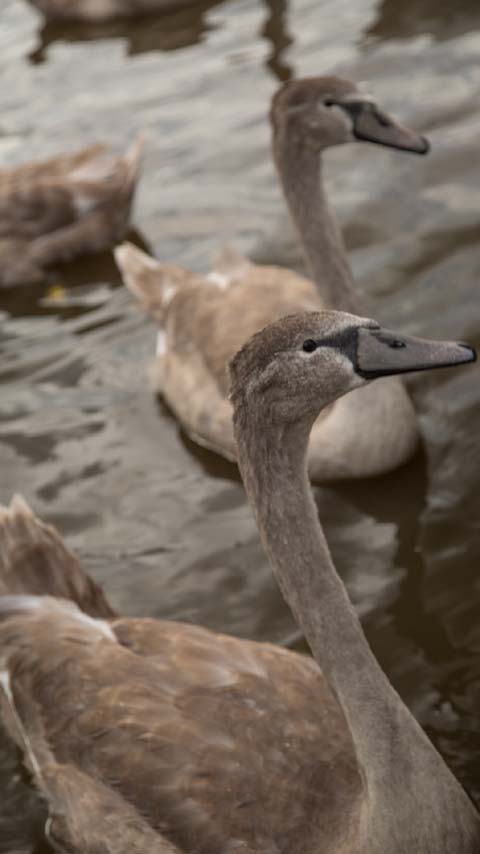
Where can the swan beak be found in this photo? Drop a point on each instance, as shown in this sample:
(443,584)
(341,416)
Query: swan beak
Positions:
(372,125)
(381,353)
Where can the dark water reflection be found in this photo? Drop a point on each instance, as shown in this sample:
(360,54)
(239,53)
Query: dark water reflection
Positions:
(161,523)
(167,31)
(446,19)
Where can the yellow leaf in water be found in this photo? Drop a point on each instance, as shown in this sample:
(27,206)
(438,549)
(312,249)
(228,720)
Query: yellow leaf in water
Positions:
(56,293)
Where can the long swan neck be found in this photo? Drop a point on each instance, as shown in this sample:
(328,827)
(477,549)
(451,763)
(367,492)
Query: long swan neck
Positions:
(299,169)
(394,755)
(274,472)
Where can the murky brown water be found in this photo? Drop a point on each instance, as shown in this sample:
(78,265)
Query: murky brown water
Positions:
(163,525)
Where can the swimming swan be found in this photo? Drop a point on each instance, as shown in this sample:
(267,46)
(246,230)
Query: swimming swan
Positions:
(203,321)
(105,10)
(56,209)
(149,736)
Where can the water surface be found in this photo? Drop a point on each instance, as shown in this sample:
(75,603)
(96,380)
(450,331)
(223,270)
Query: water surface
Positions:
(163,525)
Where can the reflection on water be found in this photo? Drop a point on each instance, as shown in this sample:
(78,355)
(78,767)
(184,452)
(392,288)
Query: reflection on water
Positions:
(442,20)
(276,31)
(165,31)
(162,524)
(73,289)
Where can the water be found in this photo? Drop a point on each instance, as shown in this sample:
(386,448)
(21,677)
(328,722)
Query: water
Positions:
(163,525)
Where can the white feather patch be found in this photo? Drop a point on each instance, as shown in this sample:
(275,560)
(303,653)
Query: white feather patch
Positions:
(18,603)
(219,279)
(161,347)
(6,686)
(83,204)
(5,683)
(99,625)
(169,292)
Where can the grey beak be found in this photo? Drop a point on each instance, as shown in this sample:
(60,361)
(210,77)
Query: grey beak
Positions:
(372,125)
(381,352)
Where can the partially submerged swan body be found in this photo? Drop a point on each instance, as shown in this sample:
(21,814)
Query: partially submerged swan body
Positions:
(56,209)
(105,10)
(204,320)
(151,736)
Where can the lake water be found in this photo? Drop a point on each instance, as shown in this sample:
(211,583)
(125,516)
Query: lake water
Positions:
(163,525)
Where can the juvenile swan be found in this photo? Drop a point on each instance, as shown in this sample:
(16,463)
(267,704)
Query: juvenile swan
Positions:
(105,10)
(54,210)
(145,735)
(204,321)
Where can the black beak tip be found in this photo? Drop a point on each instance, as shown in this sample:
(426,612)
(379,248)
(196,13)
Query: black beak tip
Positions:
(471,351)
(425,146)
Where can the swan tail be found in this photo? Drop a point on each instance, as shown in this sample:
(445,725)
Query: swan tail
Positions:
(133,157)
(103,185)
(40,638)
(129,171)
(152,283)
(34,561)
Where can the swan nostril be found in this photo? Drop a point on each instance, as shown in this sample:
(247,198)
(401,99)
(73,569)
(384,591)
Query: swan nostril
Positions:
(395,343)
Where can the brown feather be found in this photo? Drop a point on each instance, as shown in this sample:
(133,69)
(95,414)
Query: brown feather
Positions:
(162,717)
(58,208)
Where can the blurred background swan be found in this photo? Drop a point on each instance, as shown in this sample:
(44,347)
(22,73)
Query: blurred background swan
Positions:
(104,10)
(57,209)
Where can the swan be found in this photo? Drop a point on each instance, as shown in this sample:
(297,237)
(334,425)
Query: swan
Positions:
(56,209)
(145,735)
(105,10)
(203,321)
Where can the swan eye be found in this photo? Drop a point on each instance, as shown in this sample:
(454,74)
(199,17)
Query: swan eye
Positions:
(309,345)
(329,102)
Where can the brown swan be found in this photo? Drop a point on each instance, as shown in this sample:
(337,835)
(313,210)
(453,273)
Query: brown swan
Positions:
(203,321)
(105,10)
(152,736)
(68,205)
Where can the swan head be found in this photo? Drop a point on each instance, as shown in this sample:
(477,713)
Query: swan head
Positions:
(293,368)
(319,112)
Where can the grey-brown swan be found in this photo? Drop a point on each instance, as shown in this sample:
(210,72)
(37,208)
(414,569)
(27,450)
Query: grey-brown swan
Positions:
(205,320)
(104,10)
(153,736)
(56,209)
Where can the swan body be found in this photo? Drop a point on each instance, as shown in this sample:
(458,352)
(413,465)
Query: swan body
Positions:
(57,209)
(203,320)
(145,735)
(166,706)
(104,10)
